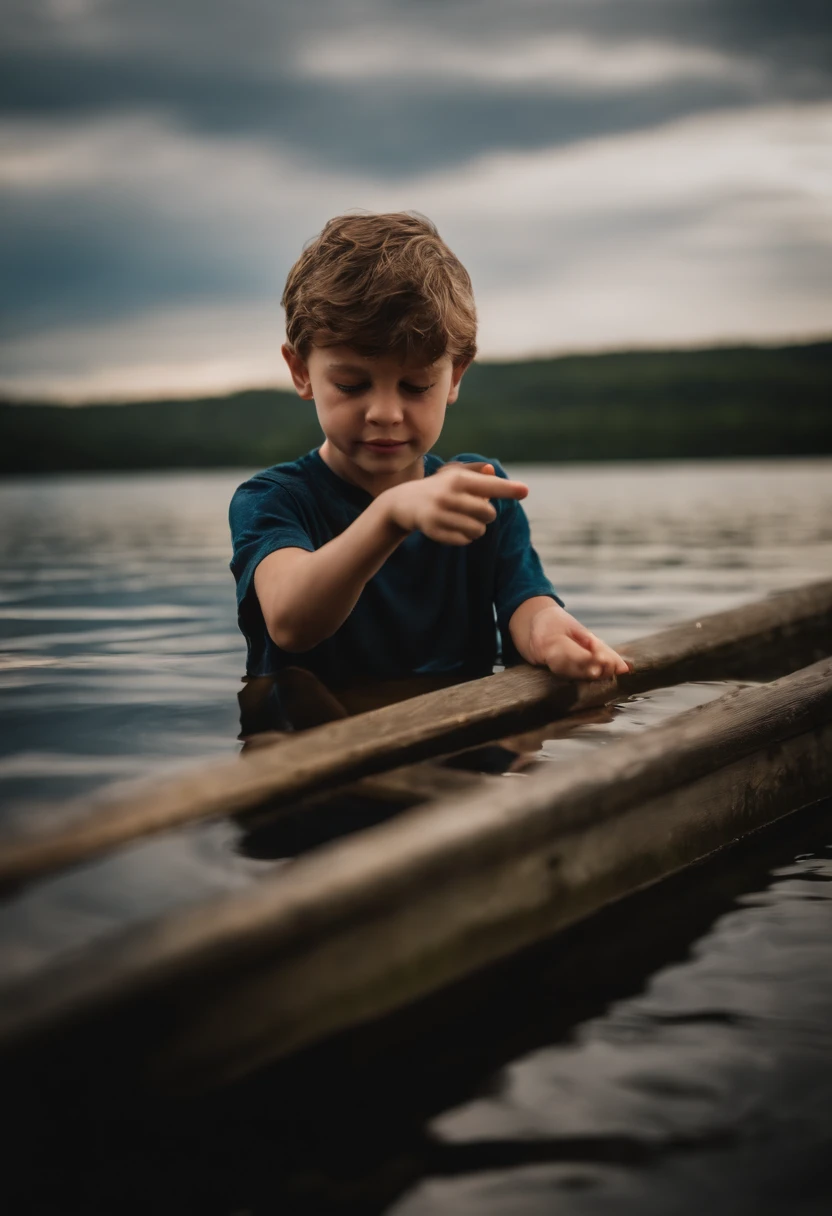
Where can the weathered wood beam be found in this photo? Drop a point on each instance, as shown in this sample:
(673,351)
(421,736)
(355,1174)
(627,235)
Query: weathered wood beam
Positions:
(425,726)
(369,923)
(784,632)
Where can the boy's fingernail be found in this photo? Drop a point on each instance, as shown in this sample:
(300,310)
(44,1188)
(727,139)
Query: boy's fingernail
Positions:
(595,672)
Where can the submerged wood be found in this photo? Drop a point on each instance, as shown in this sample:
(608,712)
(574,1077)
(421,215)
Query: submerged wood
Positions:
(367,924)
(420,728)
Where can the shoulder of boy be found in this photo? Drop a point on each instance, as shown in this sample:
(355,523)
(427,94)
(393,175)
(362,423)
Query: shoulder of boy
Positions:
(252,494)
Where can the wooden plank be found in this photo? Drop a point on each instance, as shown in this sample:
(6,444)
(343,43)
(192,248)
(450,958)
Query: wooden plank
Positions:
(362,974)
(366,924)
(787,630)
(416,729)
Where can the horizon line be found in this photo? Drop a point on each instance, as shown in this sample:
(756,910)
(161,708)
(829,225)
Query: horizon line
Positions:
(9,397)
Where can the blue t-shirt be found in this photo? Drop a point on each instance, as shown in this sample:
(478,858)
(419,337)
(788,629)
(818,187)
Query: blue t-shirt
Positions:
(430,609)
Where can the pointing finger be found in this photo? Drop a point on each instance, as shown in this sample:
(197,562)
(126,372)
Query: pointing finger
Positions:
(490,486)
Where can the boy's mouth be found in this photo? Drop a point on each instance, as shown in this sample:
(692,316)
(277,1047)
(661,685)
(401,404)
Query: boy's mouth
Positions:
(384,445)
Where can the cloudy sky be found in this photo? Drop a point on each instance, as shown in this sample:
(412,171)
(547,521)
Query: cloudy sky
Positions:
(612,172)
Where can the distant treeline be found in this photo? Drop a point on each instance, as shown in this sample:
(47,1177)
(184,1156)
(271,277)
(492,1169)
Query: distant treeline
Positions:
(727,402)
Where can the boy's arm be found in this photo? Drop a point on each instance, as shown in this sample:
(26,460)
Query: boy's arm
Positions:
(548,636)
(305,597)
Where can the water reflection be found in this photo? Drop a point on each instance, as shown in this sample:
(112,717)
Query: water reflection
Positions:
(120,648)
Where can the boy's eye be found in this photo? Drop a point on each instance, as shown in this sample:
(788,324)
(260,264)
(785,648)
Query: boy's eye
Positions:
(416,389)
(353,388)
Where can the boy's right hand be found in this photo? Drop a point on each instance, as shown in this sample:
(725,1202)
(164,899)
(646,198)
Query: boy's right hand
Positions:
(453,505)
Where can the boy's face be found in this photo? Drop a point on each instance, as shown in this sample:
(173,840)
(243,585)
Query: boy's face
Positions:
(379,416)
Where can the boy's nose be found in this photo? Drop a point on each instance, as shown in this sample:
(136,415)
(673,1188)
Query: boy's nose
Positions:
(384,409)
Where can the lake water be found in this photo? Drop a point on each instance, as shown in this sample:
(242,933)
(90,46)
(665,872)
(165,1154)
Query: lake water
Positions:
(119,656)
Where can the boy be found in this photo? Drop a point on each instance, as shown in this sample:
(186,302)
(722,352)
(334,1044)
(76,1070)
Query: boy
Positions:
(370,558)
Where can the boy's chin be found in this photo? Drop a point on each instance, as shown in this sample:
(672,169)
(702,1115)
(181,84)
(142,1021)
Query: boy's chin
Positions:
(382,458)
(402,464)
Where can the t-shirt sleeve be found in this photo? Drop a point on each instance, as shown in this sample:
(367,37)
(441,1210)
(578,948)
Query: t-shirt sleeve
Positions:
(519,573)
(264,517)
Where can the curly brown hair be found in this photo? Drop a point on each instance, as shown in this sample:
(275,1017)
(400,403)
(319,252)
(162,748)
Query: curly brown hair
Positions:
(381,284)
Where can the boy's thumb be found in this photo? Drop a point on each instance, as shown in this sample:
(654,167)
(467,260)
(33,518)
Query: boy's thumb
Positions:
(480,466)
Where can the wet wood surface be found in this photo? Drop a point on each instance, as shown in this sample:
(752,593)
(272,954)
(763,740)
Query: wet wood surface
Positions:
(787,628)
(365,925)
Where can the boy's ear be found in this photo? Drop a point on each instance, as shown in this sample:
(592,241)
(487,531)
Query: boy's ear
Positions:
(300,372)
(456,378)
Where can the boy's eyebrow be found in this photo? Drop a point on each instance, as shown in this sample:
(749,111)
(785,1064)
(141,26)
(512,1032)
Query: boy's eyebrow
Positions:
(347,367)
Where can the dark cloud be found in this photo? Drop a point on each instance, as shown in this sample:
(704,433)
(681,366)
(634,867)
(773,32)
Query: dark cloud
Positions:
(361,99)
(91,258)
(392,132)
(244,68)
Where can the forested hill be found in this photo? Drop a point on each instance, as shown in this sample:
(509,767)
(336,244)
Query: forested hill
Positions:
(726,402)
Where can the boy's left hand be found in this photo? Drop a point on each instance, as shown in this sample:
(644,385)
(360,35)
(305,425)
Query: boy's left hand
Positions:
(555,639)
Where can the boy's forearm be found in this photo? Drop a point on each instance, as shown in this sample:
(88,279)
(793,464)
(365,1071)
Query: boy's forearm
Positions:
(520,625)
(323,587)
